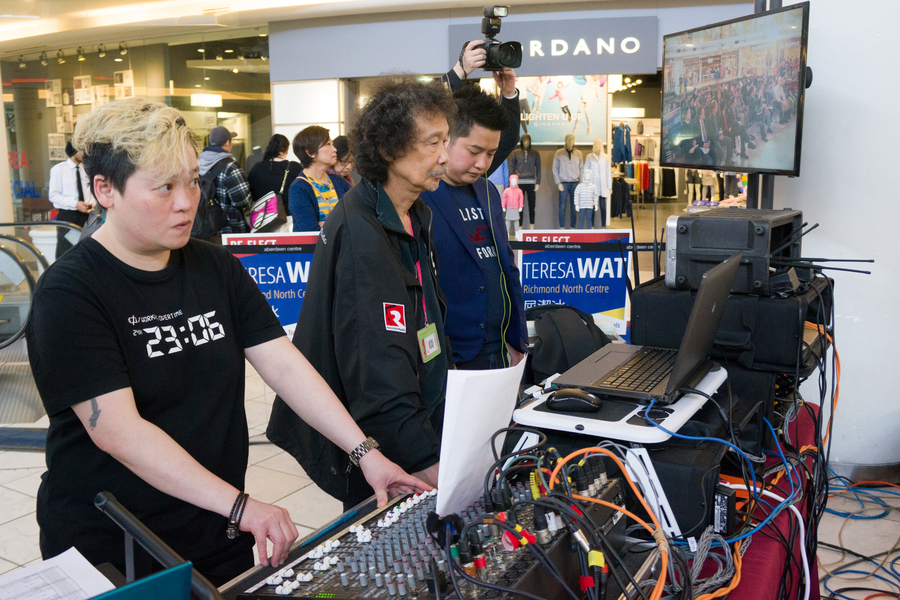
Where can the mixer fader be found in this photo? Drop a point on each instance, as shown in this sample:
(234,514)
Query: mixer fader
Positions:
(387,554)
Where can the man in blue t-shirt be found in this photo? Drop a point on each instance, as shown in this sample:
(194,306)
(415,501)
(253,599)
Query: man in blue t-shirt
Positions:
(485,314)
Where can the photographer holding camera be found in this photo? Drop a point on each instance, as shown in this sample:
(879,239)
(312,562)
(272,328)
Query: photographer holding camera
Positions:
(473,57)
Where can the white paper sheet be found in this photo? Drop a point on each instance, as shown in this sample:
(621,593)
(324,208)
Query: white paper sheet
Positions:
(68,576)
(478,404)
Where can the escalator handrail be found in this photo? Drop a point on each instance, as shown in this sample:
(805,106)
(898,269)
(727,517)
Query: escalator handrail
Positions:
(40,223)
(18,335)
(28,246)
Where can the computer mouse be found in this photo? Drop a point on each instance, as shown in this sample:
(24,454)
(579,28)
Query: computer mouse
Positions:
(573,400)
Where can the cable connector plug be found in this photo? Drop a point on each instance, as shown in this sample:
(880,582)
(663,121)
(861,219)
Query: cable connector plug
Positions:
(582,541)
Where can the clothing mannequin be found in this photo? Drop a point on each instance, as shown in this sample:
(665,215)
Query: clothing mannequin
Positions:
(567,168)
(525,164)
(586,201)
(512,203)
(600,166)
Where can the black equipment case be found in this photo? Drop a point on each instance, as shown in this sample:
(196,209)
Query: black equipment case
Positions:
(757,332)
(697,242)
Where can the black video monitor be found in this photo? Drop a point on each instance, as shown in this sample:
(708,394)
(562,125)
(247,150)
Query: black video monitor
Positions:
(733,94)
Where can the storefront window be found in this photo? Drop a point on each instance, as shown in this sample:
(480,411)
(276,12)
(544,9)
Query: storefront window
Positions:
(220,79)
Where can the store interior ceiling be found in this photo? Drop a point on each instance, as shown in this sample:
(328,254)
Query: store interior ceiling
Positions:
(32,26)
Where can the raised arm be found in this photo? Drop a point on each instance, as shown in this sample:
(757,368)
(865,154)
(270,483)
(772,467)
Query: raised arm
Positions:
(288,372)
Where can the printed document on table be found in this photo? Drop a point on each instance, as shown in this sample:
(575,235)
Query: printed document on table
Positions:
(68,576)
(478,404)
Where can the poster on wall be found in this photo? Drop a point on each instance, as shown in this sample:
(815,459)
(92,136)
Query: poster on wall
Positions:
(555,106)
(83,93)
(123,82)
(54,93)
(99,96)
(65,119)
(584,269)
(56,142)
(279,264)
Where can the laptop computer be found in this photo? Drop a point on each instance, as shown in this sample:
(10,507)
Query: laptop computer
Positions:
(643,373)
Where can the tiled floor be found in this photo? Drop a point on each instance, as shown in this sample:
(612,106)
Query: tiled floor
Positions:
(275,477)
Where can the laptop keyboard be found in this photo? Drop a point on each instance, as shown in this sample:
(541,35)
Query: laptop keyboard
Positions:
(643,372)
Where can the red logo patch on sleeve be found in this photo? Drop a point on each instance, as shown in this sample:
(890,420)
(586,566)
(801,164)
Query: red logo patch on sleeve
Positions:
(395,317)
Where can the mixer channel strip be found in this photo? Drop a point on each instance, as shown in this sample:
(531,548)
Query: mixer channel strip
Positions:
(387,555)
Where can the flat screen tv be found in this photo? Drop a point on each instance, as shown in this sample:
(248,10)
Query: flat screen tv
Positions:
(733,94)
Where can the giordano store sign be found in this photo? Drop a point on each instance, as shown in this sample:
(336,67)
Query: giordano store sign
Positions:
(575,46)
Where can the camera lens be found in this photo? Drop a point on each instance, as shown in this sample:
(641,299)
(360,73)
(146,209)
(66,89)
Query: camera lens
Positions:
(509,54)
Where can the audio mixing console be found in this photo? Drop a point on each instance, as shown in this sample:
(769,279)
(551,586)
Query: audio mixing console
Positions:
(386,554)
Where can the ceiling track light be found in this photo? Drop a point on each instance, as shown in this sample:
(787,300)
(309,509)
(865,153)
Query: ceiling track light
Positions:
(101,50)
(60,57)
(43,59)
(123,49)
(22,64)
(80,53)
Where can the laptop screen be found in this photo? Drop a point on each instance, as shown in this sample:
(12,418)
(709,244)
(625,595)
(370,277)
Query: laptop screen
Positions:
(706,316)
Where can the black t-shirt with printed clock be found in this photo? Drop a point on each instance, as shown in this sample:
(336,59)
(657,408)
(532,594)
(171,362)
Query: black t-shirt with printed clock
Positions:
(176,337)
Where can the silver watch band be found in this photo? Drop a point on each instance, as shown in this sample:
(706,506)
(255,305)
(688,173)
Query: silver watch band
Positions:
(368,444)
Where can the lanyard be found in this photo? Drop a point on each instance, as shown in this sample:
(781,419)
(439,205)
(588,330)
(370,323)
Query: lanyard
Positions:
(418,271)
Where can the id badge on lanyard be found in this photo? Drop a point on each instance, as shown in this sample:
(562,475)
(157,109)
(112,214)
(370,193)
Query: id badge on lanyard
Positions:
(429,344)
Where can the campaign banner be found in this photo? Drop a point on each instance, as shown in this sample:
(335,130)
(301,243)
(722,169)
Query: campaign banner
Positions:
(279,264)
(555,106)
(586,269)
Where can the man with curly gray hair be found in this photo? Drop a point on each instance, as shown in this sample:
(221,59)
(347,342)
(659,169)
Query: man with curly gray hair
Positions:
(157,415)
(373,315)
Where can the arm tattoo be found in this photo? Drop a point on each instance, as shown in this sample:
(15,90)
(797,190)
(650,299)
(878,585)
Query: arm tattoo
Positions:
(95,412)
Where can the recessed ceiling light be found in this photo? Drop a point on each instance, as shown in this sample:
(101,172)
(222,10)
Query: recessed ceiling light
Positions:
(264,35)
(117,59)
(198,85)
(234,70)
(206,79)
(229,51)
(628,80)
(201,50)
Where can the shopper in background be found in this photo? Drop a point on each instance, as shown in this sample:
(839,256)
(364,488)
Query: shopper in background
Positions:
(156,418)
(373,295)
(232,190)
(274,172)
(70,194)
(315,192)
(344,159)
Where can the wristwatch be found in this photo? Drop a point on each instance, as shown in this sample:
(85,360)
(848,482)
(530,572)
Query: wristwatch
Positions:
(368,444)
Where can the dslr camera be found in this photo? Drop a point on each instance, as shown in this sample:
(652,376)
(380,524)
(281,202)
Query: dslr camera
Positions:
(499,54)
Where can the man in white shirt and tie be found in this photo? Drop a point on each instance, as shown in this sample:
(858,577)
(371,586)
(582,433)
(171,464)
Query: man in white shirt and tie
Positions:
(70,194)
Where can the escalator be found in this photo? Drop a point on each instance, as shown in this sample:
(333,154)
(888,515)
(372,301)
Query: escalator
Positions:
(26,251)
